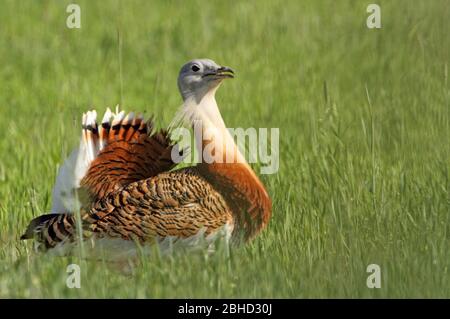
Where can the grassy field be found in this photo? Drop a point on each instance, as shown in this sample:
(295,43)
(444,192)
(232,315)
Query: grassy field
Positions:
(364,138)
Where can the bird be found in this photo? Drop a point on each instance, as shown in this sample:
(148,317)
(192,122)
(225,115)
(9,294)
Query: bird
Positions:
(121,187)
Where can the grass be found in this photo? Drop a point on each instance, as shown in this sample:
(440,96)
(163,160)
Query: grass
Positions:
(364,138)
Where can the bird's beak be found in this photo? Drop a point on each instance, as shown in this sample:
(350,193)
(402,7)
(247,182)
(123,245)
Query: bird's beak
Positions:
(225,72)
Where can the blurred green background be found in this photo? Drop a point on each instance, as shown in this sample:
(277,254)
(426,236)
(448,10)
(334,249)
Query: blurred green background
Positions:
(364,137)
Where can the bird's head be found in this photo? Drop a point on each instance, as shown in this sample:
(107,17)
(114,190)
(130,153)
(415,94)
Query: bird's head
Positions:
(200,76)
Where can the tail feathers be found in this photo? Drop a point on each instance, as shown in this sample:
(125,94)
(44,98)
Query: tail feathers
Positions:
(50,230)
(114,126)
(90,134)
(75,167)
(131,135)
(104,128)
(133,151)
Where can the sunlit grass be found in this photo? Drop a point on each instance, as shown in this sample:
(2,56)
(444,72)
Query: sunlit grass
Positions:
(364,138)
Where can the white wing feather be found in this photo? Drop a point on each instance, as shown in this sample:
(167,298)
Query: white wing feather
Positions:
(75,167)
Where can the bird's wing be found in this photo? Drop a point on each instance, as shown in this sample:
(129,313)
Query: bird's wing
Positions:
(178,204)
(118,151)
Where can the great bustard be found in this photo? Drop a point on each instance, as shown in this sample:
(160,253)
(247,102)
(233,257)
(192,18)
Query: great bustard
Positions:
(121,182)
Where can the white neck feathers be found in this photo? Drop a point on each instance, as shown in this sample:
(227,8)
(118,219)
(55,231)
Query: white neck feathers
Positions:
(211,135)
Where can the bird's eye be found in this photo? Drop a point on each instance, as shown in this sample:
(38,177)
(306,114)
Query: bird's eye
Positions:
(195,68)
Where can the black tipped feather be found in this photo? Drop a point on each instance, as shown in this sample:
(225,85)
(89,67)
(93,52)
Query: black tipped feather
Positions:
(29,233)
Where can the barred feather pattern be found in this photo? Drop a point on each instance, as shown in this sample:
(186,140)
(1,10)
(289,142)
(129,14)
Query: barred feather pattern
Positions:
(177,204)
(129,151)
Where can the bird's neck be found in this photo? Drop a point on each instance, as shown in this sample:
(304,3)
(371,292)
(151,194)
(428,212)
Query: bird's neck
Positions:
(213,140)
(225,165)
